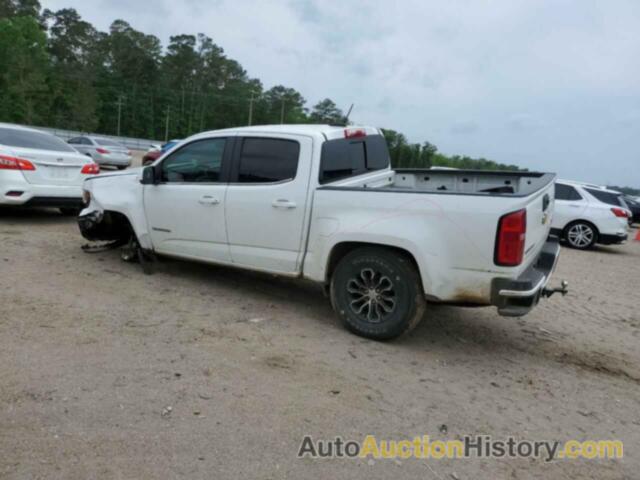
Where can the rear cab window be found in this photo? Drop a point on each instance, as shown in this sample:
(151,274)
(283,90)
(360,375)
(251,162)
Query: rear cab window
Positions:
(349,157)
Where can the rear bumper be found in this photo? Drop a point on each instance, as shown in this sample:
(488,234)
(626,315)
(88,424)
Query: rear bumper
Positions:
(613,239)
(112,160)
(29,194)
(517,297)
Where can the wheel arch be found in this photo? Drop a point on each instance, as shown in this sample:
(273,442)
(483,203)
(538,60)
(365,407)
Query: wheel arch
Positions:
(342,249)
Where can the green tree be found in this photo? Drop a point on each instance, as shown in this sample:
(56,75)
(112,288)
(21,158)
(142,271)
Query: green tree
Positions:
(23,76)
(73,46)
(128,80)
(19,8)
(285,105)
(327,112)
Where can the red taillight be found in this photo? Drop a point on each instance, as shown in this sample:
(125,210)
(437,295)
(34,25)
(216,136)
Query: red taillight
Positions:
(90,169)
(512,231)
(355,133)
(618,212)
(102,150)
(13,163)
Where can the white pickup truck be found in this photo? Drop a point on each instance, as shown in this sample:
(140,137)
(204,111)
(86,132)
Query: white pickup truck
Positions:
(322,203)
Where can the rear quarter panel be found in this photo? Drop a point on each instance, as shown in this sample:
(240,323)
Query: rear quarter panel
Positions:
(451,236)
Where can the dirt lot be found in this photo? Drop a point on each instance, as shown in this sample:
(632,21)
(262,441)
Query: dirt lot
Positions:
(93,352)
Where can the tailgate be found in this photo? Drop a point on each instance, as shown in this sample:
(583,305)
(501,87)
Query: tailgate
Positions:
(539,213)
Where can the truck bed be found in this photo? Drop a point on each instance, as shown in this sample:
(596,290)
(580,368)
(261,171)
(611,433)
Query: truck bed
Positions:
(458,182)
(446,218)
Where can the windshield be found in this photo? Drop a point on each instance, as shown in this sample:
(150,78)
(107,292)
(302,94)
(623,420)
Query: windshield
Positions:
(13,137)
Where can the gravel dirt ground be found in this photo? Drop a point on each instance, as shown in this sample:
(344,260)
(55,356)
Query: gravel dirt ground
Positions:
(93,353)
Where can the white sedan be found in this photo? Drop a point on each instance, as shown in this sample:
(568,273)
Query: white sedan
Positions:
(39,169)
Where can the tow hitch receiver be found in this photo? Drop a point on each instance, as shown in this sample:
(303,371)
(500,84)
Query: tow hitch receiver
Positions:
(563,289)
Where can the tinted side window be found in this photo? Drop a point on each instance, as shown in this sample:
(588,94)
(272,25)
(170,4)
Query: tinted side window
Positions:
(197,162)
(343,158)
(85,141)
(74,140)
(566,192)
(606,197)
(266,160)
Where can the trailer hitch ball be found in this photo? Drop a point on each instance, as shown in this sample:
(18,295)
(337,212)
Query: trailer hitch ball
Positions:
(563,289)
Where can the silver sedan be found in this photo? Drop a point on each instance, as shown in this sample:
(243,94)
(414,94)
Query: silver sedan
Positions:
(103,151)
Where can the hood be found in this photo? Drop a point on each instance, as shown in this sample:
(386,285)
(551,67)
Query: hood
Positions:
(118,173)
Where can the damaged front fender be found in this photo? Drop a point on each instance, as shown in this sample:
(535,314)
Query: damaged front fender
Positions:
(104,226)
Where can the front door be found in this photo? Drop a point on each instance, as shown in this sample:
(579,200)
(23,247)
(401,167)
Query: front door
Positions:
(185,211)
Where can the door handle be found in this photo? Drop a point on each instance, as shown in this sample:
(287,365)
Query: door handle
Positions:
(283,203)
(208,200)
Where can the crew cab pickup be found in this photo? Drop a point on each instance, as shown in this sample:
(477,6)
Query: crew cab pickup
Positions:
(322,203)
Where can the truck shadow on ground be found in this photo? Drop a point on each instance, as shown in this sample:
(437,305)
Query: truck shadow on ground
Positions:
(451,328)
(444,329)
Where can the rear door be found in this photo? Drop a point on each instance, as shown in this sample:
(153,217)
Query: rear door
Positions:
(185,211)
(569,205)
(266,201)
(55,162)
(83,145)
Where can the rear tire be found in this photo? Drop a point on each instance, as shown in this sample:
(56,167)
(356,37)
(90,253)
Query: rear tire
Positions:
(580,235)
(121,167)
(377,293)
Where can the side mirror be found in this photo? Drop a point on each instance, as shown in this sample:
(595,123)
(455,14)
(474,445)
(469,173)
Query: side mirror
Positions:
(149,176)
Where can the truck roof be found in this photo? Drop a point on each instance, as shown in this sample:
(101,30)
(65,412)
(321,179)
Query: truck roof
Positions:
(329,131)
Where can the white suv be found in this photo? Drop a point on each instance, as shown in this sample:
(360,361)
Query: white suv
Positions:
(588,214)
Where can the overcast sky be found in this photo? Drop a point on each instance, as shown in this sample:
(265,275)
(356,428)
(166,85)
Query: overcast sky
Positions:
(548,85)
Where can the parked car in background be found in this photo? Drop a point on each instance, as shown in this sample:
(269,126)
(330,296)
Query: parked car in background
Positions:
(103,151)
(39,169)
(156,152)
(634,207)
(588,214)
(151,155)
(323,203)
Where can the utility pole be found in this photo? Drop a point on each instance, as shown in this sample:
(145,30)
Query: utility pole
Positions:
(166,126)
(282,112)
(250,110)
(120,98)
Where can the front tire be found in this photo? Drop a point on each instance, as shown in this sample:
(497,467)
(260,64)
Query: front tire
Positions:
(580,235)
(377,293)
